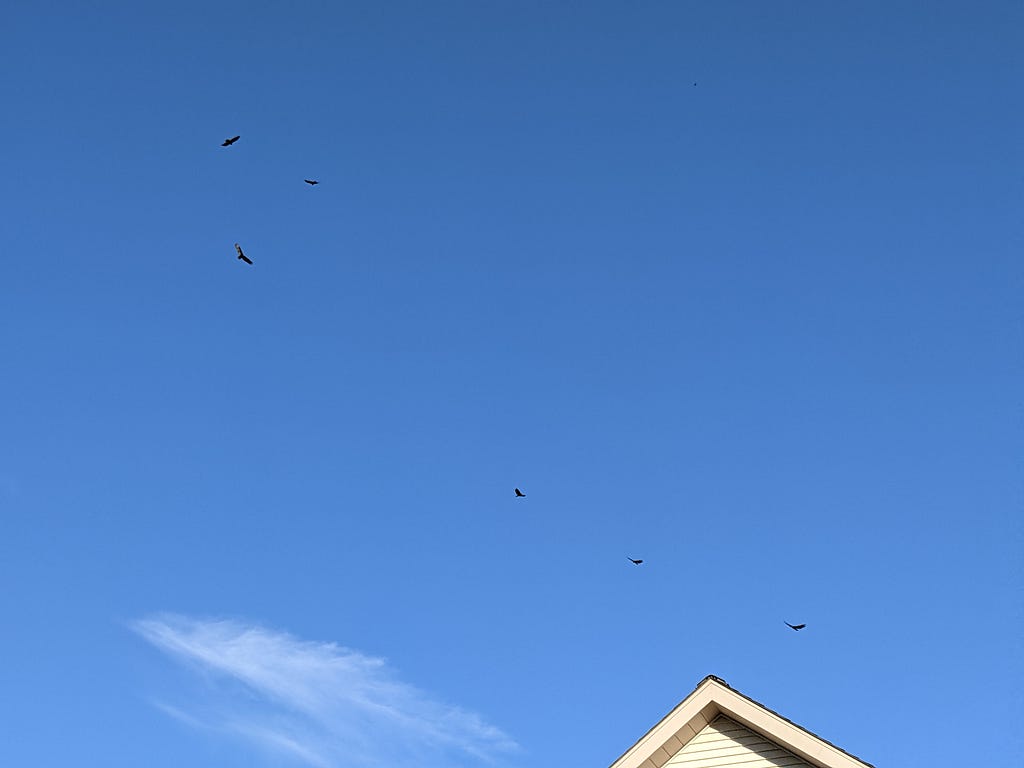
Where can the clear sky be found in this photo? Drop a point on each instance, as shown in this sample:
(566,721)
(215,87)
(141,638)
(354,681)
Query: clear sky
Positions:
(732,287)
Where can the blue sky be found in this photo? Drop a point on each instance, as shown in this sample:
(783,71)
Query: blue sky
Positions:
(763,331)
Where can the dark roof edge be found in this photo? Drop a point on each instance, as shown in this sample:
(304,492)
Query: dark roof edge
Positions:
(783,717)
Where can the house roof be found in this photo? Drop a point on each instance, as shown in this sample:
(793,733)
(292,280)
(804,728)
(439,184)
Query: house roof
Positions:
(713,697)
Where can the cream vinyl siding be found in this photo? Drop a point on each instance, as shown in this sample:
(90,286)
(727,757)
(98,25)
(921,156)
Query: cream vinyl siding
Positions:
(724,743)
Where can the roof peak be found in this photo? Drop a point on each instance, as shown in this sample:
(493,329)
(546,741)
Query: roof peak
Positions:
(712,697)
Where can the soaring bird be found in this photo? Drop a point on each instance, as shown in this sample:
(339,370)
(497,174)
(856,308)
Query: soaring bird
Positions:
(311,182)
(797,627)
(229,142)
(241,255)
(634,562)
(520,494)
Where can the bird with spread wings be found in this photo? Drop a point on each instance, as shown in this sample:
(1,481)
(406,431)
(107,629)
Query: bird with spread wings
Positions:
(241,255)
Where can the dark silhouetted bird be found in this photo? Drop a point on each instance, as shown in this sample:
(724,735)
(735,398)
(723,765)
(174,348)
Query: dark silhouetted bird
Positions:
(795,626)
(634,562)
(311,182)
(229,142)
(520,494)
(241,255)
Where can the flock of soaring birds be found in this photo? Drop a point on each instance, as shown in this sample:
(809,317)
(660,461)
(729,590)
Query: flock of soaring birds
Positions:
(639,561)
(238,248)
(519,493)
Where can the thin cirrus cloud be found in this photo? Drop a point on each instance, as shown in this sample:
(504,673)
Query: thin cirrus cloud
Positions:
(318,702)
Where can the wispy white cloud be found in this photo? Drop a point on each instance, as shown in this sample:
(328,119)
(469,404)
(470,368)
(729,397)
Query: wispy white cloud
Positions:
(321,703)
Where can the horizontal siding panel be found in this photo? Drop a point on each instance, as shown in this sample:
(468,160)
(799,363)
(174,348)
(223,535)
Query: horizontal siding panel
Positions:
(743,735)
(724,743)
(749,760)
(749,740)
(757,746)
(736,738)
(768,750)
